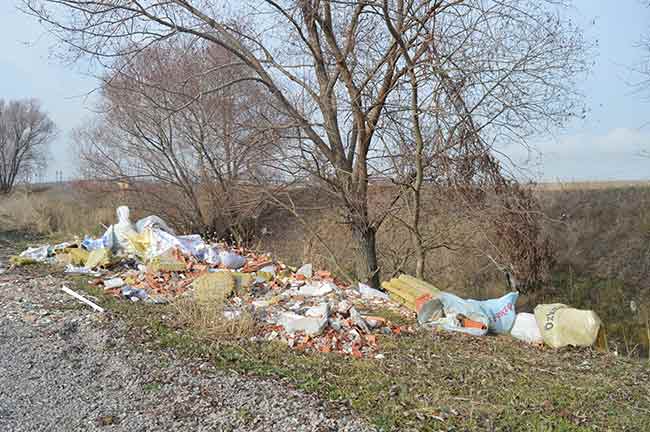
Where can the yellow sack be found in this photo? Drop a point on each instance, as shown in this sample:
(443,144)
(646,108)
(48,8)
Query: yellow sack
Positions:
(561,325)
(99,258)
(214,288)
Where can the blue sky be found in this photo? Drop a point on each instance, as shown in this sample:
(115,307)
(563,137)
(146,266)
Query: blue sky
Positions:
(604,146)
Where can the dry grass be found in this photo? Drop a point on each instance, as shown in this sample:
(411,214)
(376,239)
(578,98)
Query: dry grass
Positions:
(53,213)
(207,320)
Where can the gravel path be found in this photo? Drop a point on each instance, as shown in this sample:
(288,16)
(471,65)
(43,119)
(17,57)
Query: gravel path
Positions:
(65,368)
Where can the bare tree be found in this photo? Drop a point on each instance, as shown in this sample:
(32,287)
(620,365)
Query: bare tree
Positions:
(185,155)
(336,69)
(25,133)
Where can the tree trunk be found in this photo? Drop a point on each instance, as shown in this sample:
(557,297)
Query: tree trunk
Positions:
(367,266)
(420,256)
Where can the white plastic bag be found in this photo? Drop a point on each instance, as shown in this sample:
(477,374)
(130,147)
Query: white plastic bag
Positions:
(231,260)
(122,230)
(153,222)
(162,241)
(525,329)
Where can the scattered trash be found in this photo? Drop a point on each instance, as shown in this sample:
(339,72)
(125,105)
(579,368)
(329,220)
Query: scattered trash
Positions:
(113,283)
(430,312)
(134,294)
(99,258)
(82,299)
(306,270)
(153,222)
(71,269)
(307,309)
(37,254)
(525,329)
(561,325)
(231,260)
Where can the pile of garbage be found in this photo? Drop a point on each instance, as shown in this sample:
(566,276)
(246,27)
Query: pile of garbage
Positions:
(147,262)
(556,325)
(309,310)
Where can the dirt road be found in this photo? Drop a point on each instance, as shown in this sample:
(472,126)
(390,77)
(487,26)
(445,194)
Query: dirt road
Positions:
(64,367)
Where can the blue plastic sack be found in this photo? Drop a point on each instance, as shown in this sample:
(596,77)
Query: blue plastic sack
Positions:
(498,314)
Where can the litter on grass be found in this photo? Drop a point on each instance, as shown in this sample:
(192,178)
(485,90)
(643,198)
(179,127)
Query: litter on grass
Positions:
(307,309)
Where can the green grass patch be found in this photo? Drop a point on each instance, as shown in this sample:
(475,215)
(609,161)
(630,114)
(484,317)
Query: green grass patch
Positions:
(428,381)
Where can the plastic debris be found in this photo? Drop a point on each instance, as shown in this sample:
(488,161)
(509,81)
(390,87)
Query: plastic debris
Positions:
(231,260)
(306,270)
(153,222)
(37,254)
(561,325)
(525,329)
(134,294)
(99,258)
(82,299)
(113,283)
(71,269)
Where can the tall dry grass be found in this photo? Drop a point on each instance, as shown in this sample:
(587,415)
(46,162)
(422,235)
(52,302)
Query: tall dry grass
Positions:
(53,213)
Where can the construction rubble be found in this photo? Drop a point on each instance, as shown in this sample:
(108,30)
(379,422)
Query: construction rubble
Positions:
(307,309)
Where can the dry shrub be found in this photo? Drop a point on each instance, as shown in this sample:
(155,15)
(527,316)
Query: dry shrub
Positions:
(208,320)
(52,212)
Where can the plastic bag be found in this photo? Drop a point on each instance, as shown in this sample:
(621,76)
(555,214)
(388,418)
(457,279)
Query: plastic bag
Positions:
(160,242)
(497,314)
(153,222)
(561,325)
(231,260)
(454,305)
(38,254)
(122,230)
(453,322)
(500,312)
(525,329)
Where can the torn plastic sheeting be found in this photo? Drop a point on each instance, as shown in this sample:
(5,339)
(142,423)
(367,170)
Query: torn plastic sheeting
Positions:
(431,311)
(134,294)
(561,325)
(38,254)
(526,329)
(161,242)
(153,221)
(454,322)
(122,231)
